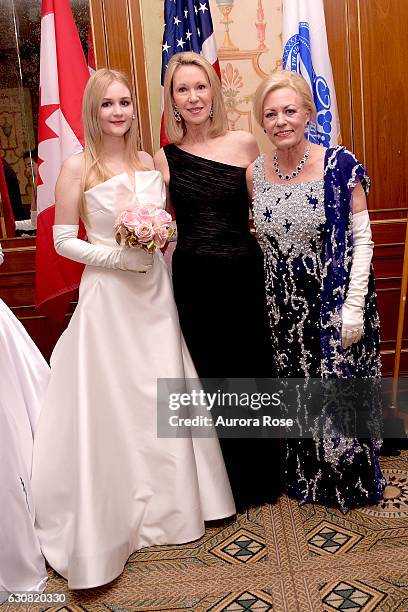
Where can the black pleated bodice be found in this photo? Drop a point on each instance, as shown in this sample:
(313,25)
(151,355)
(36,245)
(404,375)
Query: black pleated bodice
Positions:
(210,204)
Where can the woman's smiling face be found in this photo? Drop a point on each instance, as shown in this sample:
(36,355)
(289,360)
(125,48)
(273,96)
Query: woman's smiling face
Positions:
(284,117)
(192,94)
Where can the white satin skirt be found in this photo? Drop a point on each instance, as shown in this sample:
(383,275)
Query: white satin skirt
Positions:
(104,484)
(24,376)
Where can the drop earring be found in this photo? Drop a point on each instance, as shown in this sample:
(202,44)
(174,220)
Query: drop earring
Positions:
(176,113)
(211,112)
(133,116)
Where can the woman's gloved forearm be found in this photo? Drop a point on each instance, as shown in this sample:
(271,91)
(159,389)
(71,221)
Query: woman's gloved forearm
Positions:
(353,307)
(68,245)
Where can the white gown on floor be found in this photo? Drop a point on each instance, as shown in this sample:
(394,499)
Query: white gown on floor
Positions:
(104,484)
(24,376)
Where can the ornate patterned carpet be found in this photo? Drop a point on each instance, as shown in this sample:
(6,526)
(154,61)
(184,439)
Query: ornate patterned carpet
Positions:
(283,558)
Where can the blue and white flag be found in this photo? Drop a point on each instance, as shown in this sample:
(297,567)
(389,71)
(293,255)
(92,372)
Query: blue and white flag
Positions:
(187,27)
(305,50)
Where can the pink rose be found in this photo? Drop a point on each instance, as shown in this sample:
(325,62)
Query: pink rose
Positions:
(144,232)
(162,218)
(161,236)
(147,213)
(130,219)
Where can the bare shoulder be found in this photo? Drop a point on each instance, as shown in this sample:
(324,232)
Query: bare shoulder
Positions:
(318,151)
(73,165)
(146,159)
(159,157)
(160,163)
(242,138)
(250,172)
(160,160)
(245,143)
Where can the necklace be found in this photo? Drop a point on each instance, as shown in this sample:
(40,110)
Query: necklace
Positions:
(289,177)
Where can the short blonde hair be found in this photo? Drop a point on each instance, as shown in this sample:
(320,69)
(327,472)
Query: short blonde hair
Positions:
(278,80)
(175,131)
(95,170)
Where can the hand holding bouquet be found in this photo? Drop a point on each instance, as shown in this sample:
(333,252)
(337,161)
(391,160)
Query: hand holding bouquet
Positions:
(146,227)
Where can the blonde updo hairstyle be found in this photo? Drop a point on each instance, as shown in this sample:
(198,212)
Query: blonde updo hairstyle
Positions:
(95,170)
(278,80)
(175,131)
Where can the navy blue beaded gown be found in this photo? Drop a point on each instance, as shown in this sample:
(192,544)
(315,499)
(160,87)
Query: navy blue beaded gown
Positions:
(220,295)
(290,221)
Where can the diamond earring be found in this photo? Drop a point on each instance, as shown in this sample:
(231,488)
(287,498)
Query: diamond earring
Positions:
(176,113)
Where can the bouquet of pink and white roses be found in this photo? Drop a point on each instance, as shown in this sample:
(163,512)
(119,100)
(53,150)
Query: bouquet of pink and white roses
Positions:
(146,227)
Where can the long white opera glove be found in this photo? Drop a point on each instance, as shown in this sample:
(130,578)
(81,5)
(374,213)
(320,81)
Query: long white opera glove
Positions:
(352,313)
(69,245)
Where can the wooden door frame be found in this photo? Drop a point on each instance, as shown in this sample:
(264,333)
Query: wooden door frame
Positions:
(117,29)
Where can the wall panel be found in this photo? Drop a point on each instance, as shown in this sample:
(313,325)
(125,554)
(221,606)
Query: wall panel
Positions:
(369,58)
(119,44)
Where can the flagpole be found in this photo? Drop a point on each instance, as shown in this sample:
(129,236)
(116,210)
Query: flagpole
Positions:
(401,319)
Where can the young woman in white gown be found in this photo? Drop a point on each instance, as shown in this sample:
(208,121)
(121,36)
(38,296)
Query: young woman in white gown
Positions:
(24,375)
(104,484)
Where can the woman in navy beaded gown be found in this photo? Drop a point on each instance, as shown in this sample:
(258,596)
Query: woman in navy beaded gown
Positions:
(310,213)
(217,264)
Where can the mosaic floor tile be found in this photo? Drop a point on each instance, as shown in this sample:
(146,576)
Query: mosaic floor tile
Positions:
(350,595)
(241,547)
(395,502)
(247,601)
(327,539)
(271,558)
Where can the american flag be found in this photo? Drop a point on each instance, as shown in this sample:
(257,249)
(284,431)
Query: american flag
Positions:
(187,27)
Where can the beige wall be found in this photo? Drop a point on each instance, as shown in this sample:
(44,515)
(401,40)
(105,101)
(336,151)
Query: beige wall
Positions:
(256,35)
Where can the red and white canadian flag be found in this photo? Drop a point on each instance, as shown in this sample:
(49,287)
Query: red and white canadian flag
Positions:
(63,76)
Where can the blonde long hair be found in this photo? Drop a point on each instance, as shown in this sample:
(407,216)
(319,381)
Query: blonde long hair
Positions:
(175,131)
(95,171)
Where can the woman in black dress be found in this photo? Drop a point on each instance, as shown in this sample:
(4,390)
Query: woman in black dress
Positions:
(217,264)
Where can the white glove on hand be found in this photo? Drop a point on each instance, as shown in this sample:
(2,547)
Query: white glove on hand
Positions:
(352,313)
(69,245)
(28,224)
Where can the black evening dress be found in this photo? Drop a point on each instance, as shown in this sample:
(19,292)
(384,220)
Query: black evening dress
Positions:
(220,295)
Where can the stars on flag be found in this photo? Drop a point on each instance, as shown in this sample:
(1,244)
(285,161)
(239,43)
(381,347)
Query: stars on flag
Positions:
(188,25)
